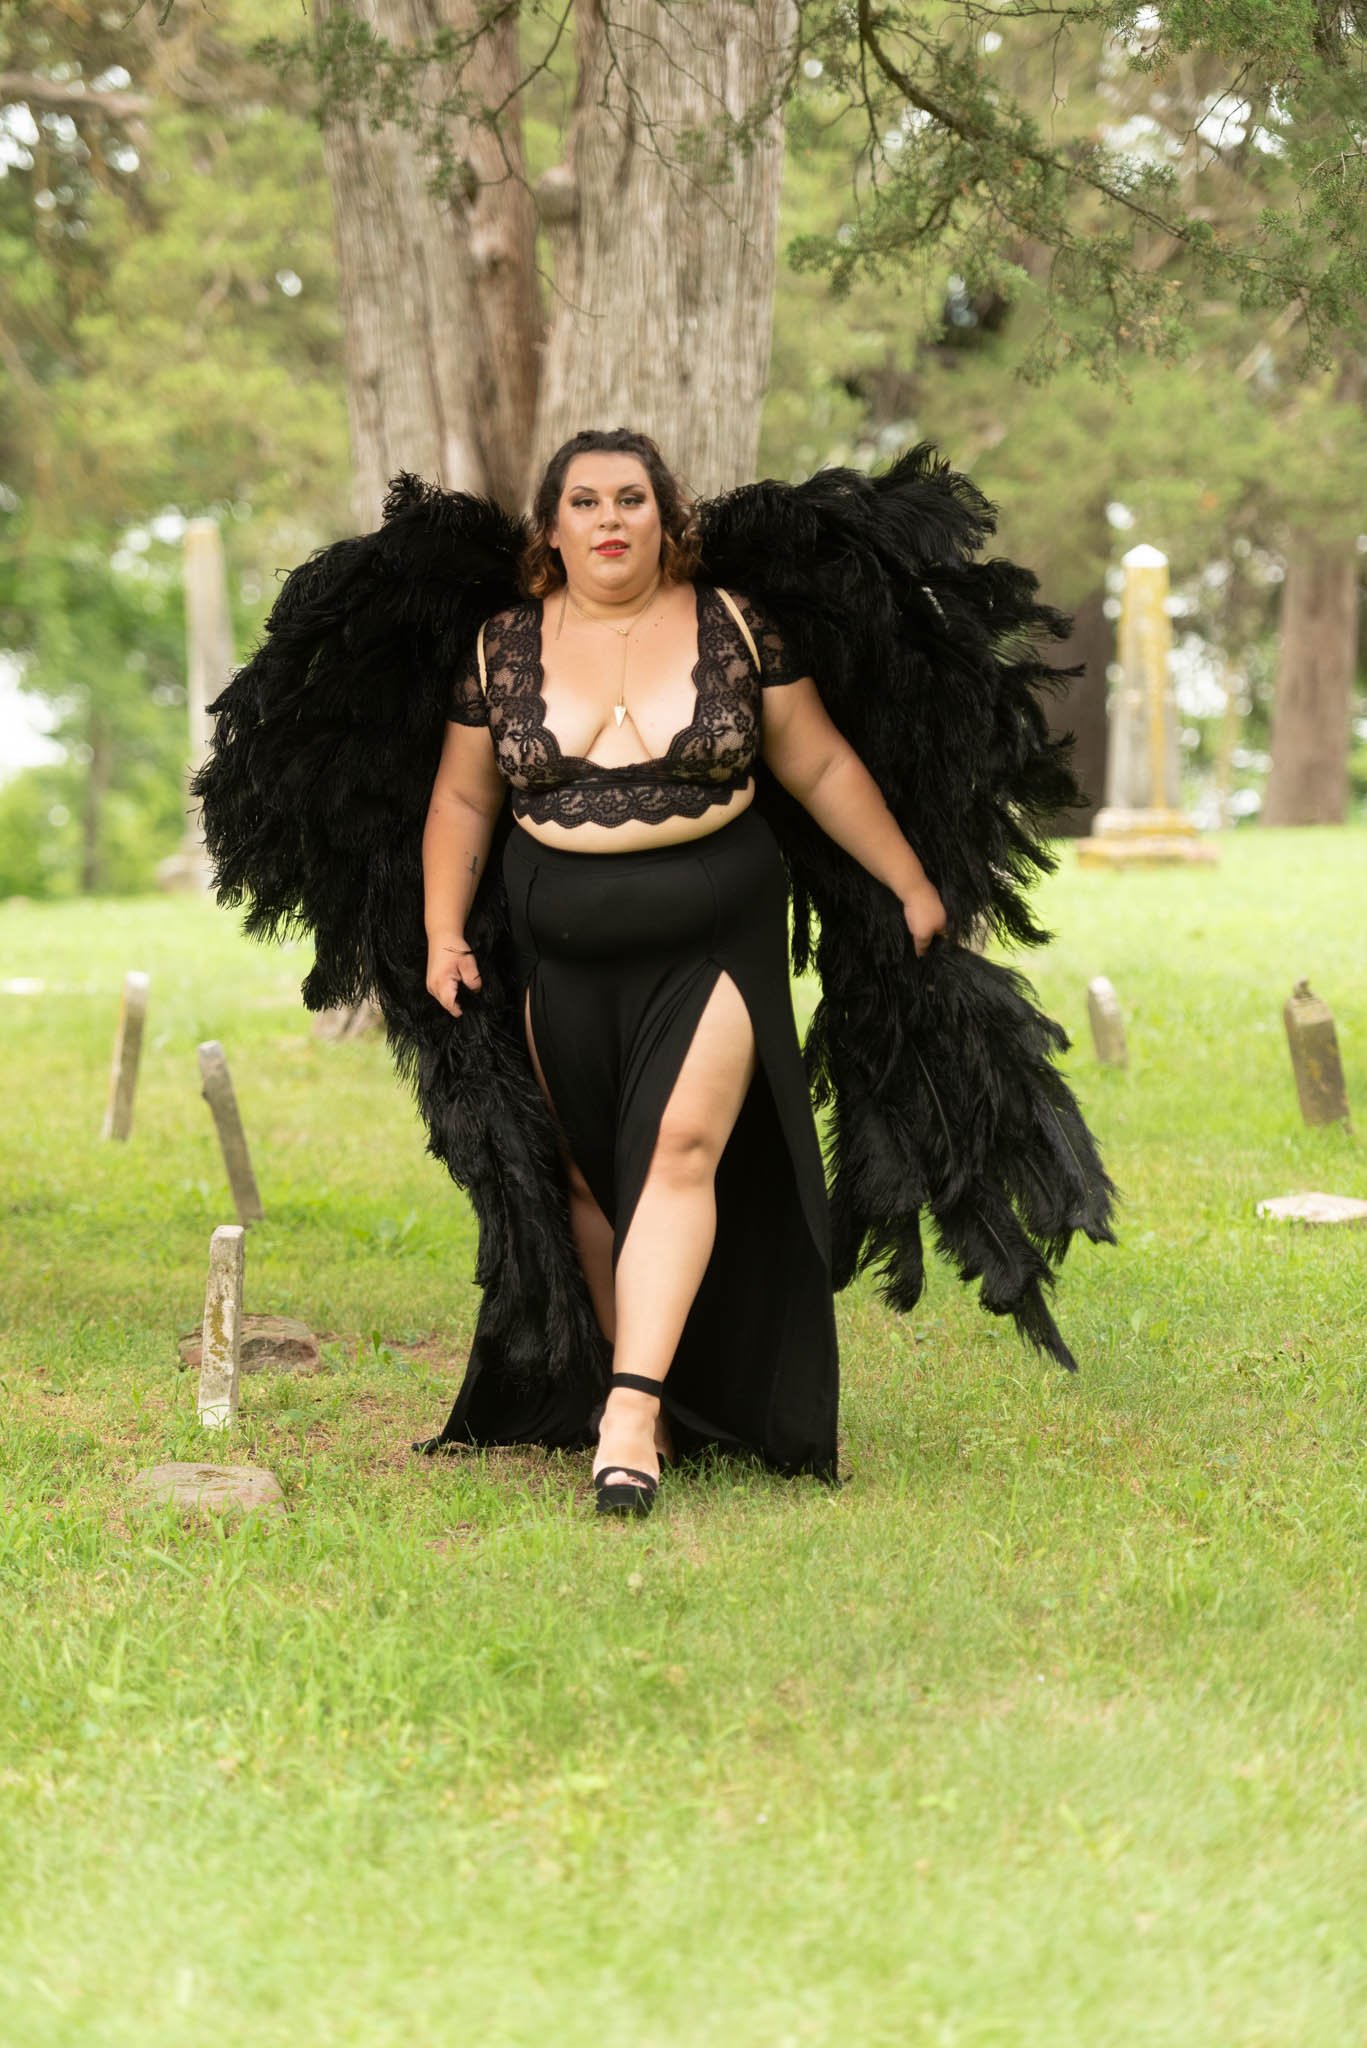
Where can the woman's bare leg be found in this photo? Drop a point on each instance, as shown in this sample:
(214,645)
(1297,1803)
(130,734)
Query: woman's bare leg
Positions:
(669,1242)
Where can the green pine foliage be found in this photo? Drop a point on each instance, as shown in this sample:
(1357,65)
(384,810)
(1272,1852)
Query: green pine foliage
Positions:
(1185,407)
(1103,257)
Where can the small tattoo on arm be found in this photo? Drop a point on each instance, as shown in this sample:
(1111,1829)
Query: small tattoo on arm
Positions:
(474,863)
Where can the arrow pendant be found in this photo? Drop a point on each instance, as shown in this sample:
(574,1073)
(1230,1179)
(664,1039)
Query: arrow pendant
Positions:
(619,712)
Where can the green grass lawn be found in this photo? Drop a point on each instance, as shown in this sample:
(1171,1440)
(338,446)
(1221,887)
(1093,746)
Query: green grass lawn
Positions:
(1047,1728)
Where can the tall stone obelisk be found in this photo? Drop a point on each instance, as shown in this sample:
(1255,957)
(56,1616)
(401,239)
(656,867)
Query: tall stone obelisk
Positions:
(208,665)
(1142,819)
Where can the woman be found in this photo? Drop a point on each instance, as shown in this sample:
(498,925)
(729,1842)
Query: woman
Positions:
(687,705)
(625,703)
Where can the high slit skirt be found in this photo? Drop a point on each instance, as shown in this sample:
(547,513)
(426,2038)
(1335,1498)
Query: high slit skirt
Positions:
(620,953)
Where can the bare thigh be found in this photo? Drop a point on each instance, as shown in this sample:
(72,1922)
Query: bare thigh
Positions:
(704,1102)
(706,1098)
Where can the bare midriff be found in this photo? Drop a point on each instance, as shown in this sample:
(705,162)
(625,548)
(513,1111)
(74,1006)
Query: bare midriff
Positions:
(633,835)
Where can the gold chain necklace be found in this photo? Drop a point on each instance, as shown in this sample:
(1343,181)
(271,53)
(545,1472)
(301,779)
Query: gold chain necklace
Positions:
(619,709)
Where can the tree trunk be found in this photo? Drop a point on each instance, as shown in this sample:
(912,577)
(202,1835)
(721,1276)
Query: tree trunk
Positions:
(1312,705)
(1082,709)
(663,231)
(96,790)
(440,311)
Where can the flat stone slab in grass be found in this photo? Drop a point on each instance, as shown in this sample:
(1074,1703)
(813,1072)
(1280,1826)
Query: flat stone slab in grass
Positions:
(1315,1208)
(268,1344)
(210,1488)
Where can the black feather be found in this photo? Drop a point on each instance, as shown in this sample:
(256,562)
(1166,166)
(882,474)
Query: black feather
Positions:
(314,798)
(938,1070)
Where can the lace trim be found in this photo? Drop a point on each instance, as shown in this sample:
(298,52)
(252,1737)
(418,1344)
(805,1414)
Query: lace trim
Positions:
(583,803)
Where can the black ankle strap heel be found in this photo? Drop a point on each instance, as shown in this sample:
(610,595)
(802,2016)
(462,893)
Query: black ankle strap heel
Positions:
(635,1379)
(624,1497)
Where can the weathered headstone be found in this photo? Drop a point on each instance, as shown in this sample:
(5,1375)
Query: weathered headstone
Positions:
(1142,819)
(208,665)
(123,1073)
(220,1361)
(1314,1207)
(209,1488)
(1315,1057)
(267,1344)
(218,1093)
(1108,1025)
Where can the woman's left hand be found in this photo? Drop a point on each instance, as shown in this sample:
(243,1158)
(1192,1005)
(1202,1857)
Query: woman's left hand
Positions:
(925,915)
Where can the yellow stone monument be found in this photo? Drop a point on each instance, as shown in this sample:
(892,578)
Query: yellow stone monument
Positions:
(1142,820)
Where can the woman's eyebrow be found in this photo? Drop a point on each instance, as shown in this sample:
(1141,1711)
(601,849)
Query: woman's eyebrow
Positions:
(590,492)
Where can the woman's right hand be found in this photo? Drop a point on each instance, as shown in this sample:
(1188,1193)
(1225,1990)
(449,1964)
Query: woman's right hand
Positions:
(451,968)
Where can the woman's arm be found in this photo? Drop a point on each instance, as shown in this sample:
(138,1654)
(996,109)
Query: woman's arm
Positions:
(467,796)
(817,765)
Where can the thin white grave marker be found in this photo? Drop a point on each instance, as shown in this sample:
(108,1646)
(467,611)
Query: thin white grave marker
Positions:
(218,1093)
(1108,1025)
(123,1075)
(219,1371)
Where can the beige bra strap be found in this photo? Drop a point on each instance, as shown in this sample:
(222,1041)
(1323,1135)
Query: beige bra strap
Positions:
(738,616)
(479,655)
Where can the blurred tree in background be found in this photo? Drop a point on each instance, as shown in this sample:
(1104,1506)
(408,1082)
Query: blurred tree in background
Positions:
(1109,259)
(167,289)
(111,665)
(169,345)
(1189,374)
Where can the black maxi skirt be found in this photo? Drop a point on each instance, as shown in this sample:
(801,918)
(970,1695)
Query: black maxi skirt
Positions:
(621,952)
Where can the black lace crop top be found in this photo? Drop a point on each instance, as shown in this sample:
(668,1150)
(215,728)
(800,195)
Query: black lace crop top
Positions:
(703,763)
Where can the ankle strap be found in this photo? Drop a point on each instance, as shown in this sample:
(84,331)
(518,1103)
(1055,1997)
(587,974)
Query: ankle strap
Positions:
(634,1379)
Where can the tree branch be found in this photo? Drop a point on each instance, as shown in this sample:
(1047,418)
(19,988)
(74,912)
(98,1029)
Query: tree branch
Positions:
(956,123)
(71,96)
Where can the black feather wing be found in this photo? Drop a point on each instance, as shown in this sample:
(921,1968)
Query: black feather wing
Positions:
(938,1070)
(314,798)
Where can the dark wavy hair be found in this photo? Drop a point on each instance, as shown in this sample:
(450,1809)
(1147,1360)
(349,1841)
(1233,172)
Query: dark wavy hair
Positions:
(681,540)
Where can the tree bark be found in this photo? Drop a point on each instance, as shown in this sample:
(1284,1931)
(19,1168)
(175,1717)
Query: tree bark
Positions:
(98,779)
(1307,783)
(441,315)
(663,227)
(1082,709)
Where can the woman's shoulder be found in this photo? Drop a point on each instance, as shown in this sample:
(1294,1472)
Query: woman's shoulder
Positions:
(769,644)
(509,616)
(754,610)
(756,614)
